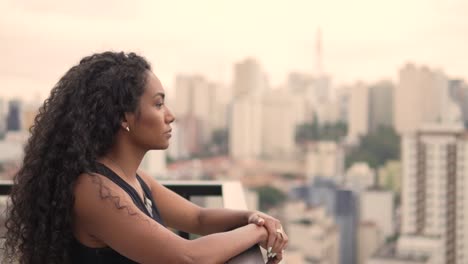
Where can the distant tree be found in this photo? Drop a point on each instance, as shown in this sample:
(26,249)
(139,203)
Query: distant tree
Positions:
(269,197)
(169,159)
(376,148)
(314,132)
(291,176)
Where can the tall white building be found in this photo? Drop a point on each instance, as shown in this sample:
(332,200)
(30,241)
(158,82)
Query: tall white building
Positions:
(422,96)
(434,197)
(264,125)
(282,112)
(245,131)
(376,206)
(381,105)
(358,121)
(458,90)
(321,89)
(342,96)
(249,78)
(324,159)
(196,98)
(369,240)
(246,111)
(328,112)
(223,95)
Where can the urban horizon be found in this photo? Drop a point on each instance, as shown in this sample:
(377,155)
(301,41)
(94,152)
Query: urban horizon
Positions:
(38,96)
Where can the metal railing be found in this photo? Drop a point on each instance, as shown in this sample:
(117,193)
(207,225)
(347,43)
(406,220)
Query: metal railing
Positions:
(231,193)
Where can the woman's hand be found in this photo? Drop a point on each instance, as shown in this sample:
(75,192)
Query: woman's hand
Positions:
(277,238)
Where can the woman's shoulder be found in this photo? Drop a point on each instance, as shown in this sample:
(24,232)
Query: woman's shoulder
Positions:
(89,181)
(91,188)
(98,199)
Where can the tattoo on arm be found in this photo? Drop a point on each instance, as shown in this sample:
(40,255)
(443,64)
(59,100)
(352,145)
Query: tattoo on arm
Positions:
(106,193)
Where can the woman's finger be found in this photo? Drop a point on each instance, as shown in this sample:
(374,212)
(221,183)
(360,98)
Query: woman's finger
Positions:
(256,219)
(279,257)
(285,241)
(271,239)
(279,241)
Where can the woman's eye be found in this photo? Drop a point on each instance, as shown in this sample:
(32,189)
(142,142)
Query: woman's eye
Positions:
(159,105)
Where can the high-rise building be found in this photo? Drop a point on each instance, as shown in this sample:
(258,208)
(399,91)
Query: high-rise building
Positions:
(422,96)
(321,192)
(3,126)
(346,217)
(342,98)
(458,90)
(249,78)
(321,106)
(328,112)
(423,253)
(376,206)
(189,135)
(245,131)
(14,115)
(380,105)
(282,112)
(369,240)
(324,159)
(220,115)
(194,107)
(434,198)
(342,204)
(246,111)
(29,112)
(358,121)
(312,232)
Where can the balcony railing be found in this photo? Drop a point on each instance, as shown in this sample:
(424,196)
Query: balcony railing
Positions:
(232,196)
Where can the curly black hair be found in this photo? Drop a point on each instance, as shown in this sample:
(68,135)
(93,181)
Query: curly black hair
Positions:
(75,125)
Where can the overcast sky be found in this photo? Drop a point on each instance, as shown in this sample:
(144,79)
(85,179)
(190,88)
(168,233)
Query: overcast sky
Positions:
(362,39)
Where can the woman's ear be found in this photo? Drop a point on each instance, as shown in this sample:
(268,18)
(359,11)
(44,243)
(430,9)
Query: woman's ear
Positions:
(124,123)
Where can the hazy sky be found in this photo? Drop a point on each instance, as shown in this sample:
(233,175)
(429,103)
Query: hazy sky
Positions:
(362,39)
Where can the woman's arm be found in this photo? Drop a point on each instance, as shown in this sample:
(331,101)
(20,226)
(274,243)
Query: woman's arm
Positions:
(213,220)
(196,220)
(107,213)
(189,217)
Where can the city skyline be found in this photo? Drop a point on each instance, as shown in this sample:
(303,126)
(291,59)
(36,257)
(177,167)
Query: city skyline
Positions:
(362,40)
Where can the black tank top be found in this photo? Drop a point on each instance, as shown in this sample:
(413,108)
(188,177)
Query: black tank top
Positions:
(84,254)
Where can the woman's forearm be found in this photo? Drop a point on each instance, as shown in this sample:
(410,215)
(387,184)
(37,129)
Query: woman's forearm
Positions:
(220,247)
(214,220)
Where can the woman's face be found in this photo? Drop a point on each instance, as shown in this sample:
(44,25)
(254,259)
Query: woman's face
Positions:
(150,125)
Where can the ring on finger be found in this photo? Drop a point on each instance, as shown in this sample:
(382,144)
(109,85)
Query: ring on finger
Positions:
(279,231)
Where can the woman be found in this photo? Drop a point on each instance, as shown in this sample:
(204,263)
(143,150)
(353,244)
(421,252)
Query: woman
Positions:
(78,197)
